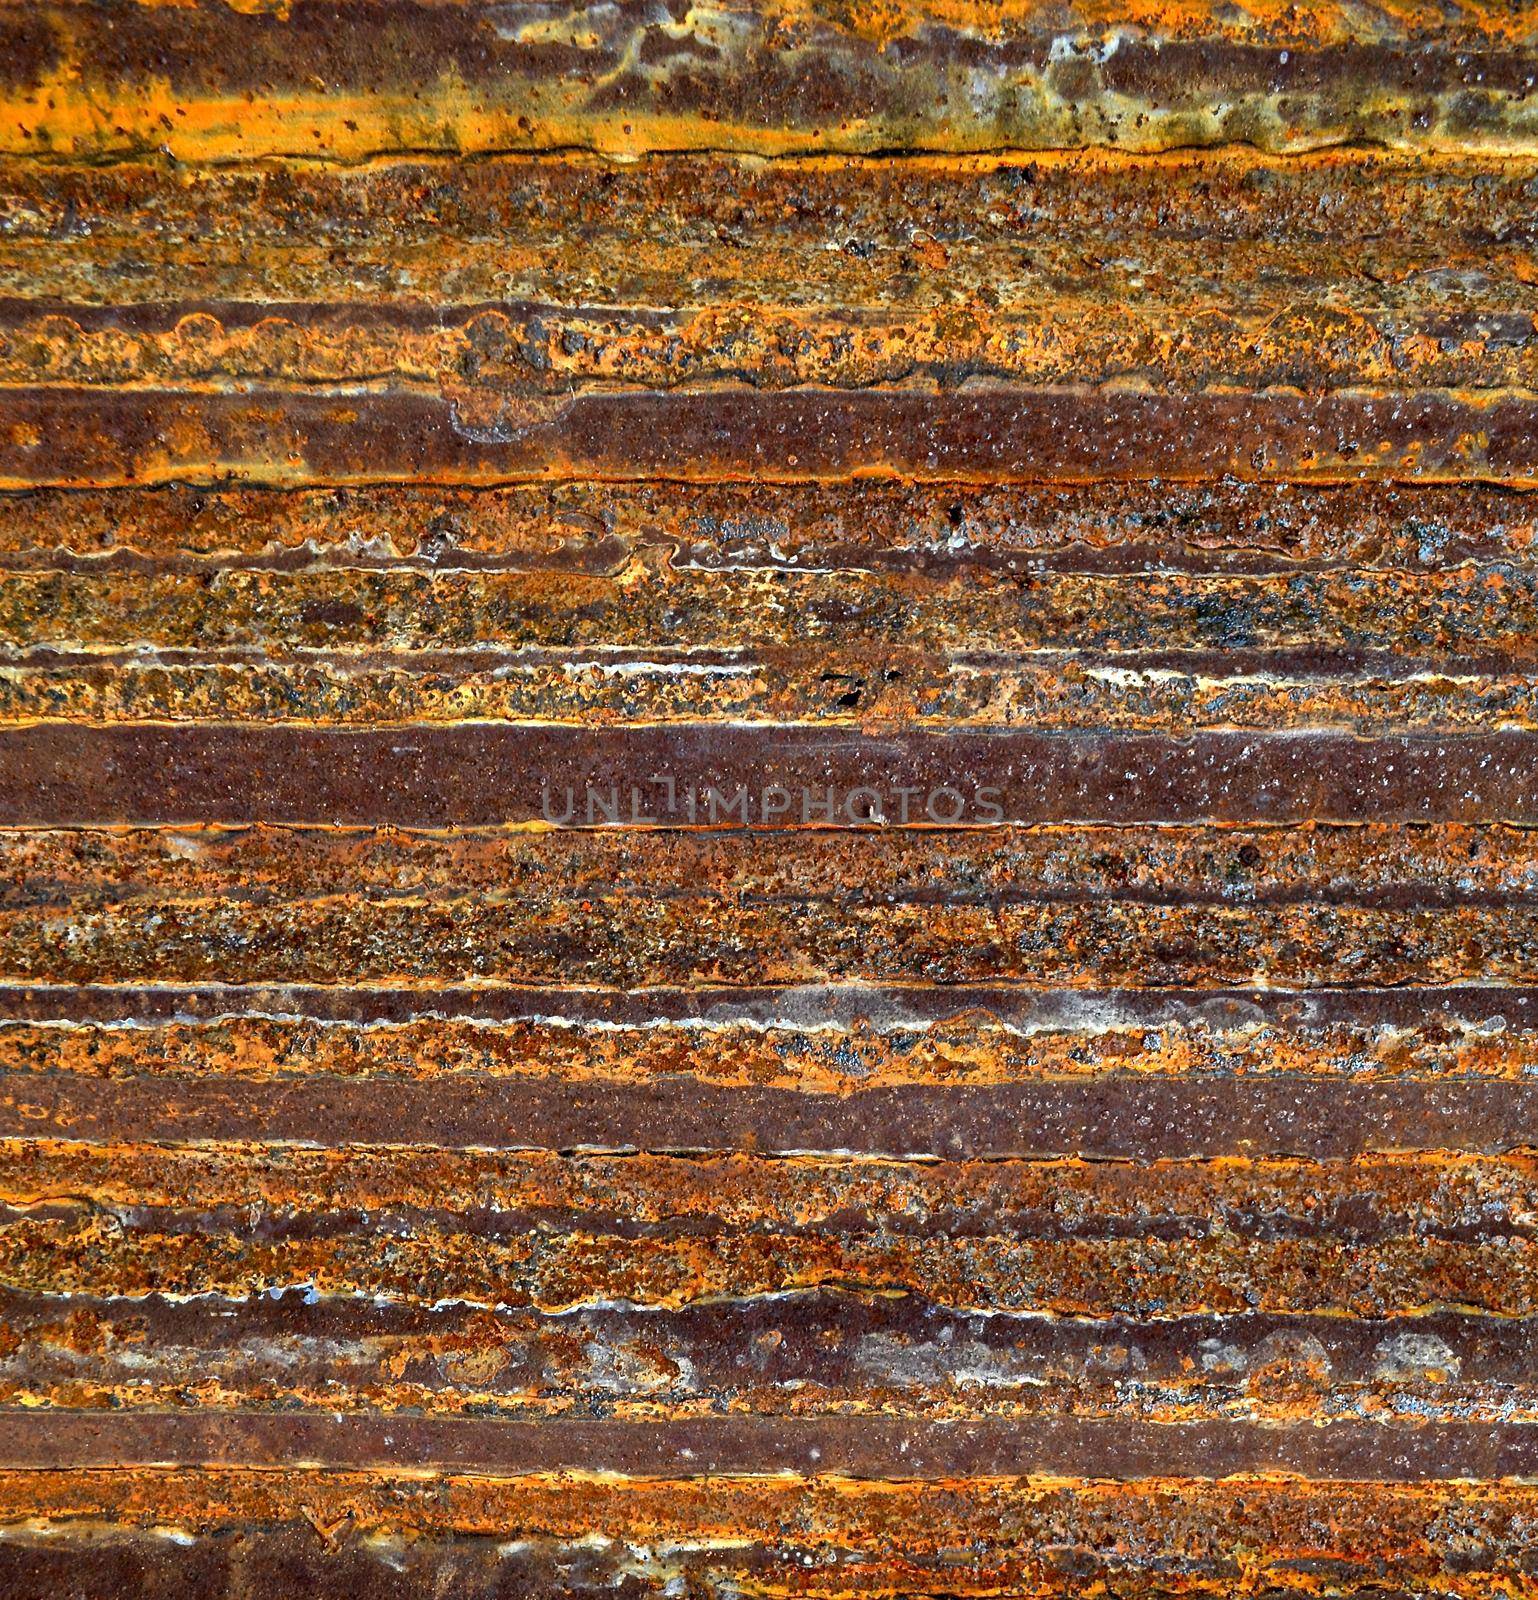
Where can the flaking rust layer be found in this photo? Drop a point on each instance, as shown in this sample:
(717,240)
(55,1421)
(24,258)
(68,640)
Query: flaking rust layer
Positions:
(767,781)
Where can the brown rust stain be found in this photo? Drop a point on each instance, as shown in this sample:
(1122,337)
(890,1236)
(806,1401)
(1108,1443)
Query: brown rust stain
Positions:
(539,775)
(78,437)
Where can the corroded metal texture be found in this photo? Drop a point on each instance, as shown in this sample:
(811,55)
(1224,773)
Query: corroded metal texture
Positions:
(349,78)
(767,795)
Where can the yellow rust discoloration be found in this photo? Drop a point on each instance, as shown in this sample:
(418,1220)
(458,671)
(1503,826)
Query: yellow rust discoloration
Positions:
(59,867)
(1382,1238)
(1010,1533)
(972,1047)
(967,609)
(621,942)
(775,77)
(1278,340)
(875,691)
(1097,907)
(586,529)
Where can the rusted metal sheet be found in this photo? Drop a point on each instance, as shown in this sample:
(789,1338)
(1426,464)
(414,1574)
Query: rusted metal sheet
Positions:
(767,800)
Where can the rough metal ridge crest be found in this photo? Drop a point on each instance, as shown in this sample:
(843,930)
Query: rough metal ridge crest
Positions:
(768,781)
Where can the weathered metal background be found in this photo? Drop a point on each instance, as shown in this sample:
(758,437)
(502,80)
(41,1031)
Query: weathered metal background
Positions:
(412,410)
